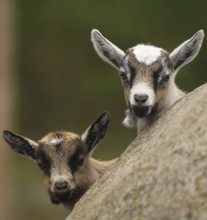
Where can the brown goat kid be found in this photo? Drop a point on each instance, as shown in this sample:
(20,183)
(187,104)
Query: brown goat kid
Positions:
(65,159)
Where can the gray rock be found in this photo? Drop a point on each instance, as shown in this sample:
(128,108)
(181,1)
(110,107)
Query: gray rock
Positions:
(162,175)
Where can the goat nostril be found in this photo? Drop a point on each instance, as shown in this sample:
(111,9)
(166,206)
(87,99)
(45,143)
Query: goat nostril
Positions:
(61,185)
(140,98)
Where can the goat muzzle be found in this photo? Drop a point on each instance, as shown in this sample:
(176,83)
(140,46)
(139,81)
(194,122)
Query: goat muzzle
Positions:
(141,111)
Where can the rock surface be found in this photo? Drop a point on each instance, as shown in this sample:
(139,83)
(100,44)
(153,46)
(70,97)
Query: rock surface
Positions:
(162,175)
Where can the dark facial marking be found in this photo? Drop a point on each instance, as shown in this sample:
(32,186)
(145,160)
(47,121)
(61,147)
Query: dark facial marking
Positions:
(53,198)
(141,111)
(58,147)
(77,159)
(132,64)
(132,74)
(156,76)
(123,75)
(163,80)
(73,195)
(124,78)
(43,162)
(160,76)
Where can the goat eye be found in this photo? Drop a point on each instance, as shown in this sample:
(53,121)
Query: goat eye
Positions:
(44,163)
(40,165)
(166,78)
(80,162)
(124,77)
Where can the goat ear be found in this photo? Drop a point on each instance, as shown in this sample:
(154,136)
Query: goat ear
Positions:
(187,51)
(107,50)
(95,132)
(20,144)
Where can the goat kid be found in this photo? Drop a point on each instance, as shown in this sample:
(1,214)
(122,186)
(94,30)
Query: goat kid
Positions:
(65,159)
(147,75)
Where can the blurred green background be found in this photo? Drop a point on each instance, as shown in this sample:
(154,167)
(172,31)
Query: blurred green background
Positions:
(60,82)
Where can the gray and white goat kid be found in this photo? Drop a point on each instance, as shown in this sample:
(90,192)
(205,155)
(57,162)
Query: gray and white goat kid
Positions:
(65,159)
(147,75)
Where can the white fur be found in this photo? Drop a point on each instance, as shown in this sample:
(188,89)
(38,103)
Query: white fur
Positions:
(129,120)
(141,124)
(58,178)
(174,93)
(142,89)
(146,53)
(56,140)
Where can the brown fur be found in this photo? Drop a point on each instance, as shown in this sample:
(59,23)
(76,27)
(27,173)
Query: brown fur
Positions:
(84,178)
(92,171)
(65,159)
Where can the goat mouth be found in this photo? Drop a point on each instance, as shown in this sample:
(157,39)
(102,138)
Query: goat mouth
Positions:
(64,195)
(61,196)
(141,111)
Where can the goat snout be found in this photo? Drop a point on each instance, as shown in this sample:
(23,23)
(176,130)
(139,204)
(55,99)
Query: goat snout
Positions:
(140,99)
(61,186)
(62,191)
(141,95)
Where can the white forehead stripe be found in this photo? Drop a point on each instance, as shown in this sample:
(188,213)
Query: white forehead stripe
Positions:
(56,177)
(147,54)
(56,140)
